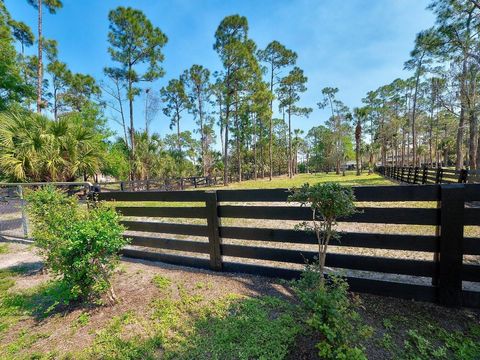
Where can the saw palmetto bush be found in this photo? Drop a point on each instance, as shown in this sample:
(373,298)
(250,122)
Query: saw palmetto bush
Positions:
(35,148)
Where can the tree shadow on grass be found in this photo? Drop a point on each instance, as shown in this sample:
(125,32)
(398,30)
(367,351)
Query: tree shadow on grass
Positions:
(25,268)
(39,302)
(249,328)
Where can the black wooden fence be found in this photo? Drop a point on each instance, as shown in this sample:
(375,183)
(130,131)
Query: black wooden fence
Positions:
(426,175)
(160,184)
(446,269)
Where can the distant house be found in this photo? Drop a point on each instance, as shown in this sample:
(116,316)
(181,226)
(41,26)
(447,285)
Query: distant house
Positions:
(348,165)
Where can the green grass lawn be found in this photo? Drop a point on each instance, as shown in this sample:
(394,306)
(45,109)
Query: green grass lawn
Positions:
(183,322)
(350,179)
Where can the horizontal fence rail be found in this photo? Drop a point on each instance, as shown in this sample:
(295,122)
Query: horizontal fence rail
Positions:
(160,184)
(446,269)
(426,175)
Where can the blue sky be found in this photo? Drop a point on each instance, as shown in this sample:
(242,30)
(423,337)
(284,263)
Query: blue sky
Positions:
(355,45)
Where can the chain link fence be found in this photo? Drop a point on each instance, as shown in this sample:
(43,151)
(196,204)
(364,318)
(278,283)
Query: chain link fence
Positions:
(13,215)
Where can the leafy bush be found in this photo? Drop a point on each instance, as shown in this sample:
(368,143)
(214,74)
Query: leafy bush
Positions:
(79,245)
(330,310)
(328,202)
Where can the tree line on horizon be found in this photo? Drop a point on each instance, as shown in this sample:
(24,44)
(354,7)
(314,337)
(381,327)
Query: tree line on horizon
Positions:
(54,125)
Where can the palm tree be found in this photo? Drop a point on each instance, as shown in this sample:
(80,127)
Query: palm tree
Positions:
(35,148)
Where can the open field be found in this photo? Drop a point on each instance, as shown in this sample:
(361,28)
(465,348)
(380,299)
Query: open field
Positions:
(172,312)
(350,179)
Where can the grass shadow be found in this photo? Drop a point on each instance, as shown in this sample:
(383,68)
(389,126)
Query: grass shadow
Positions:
(253,328)
(40,303)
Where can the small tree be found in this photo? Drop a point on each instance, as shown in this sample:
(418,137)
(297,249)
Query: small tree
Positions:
(79,245)
(328,202)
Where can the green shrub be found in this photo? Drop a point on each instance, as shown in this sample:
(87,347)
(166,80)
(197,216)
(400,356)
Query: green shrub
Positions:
(328,202)
(330,311)
(79,245)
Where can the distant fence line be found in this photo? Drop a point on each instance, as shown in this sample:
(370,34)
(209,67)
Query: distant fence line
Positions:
(426,175)
(160,184)
(446,269)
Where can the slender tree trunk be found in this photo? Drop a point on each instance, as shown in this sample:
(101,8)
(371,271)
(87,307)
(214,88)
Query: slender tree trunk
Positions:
(461,124)
(40,59)
(358,134)
(55,109)
(122,114)
(225,152)
(237,136)
(255,149)
(473,141)
(270,143)
(227,115)
(130,105)
(473,122)
(290,173)
(202,134)
(459,141)
(437,153)
(408,149)
(478,154)
(262,158)
(179,143)
(414,110)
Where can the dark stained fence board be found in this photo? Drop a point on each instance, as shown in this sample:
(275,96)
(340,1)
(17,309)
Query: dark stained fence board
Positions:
(415,216)
(378,241)
(362,193)
(166,228)
(255,195)
(451,249)
(213,223)
(393,289)
(354,262)
(471,298)
(167,258)
(377,287)
(172,196)
(261,270)
(169,244)
(271,254)
(262,234)
(471,246)
(471,272)
(172,212)
(397,193)
(451,244)
(472,216)
(472,192)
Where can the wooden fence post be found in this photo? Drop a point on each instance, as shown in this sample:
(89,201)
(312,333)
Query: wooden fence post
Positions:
(24,213)
(213,224)
(415,175)
(463,176)
(438,177)
(451,244)
(424,175)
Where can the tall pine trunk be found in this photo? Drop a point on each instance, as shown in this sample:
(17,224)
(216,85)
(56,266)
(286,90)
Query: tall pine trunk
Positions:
(358,134)
(270,143)
(290,172)
(40,59)
(461,123)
